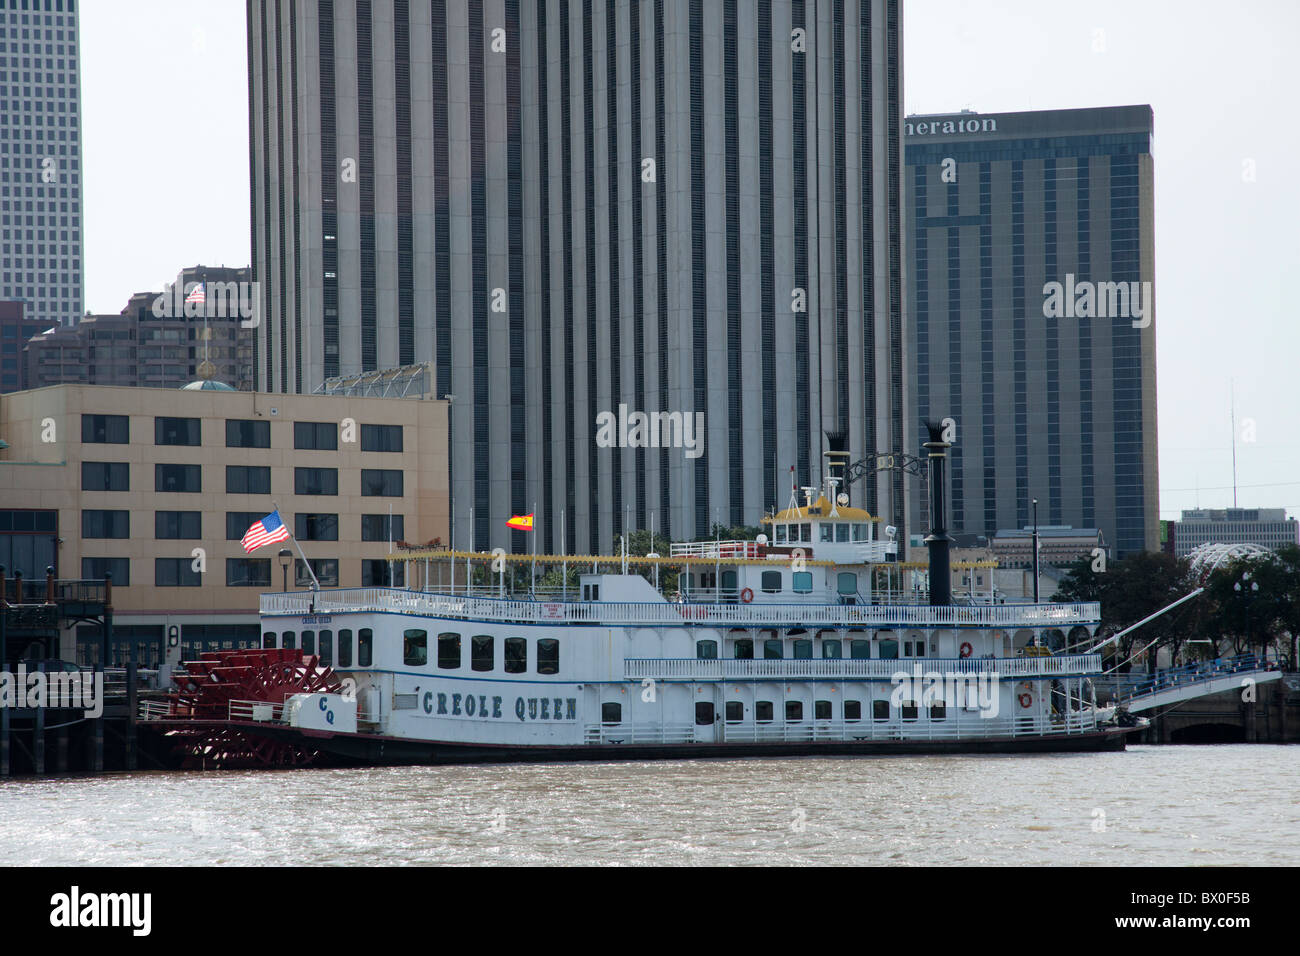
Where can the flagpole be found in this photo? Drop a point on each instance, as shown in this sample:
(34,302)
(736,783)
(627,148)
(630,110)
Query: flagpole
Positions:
(532,580)
(315,584)
(564,565)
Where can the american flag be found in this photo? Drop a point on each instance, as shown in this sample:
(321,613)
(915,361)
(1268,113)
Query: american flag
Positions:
(196,295)
(267,531)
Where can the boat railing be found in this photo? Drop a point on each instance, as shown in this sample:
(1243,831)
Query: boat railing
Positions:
(761,614)
(1013,668)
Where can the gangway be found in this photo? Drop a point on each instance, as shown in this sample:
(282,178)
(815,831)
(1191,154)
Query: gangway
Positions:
(1174,685)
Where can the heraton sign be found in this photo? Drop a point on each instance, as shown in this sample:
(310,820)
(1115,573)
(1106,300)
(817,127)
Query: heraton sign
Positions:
(942,126)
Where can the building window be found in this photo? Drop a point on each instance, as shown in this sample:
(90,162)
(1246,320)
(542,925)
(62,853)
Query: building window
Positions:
(105,429)
(481,651)
(176,431)
(516,655)
(175,573)
(105,476)
(822,710)
(763,711)
(706,650)
(248,572)
(448,650)
(94,569)
(316,436)
(771,582)
(106,524)
(327,572)
(345,647)
(880,709)
(381,482)
(548,656)
(178,524)
(178,479)
(248,480)
(853,709)
(611,712)
(311,526)
(315,481)
(365,647)
(415,648)
(238,523)
(247,433)
(735,711)
(377,528)
(378,573)
(381,437)
(704,713)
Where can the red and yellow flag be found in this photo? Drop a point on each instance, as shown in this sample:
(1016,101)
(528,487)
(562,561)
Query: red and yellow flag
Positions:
(521,522)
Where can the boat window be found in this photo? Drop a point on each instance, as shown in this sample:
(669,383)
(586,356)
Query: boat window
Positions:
(920,648)
(268,638)
(516,655)
(841,532)
(703,713)
(889,650)
(848,582)
(853,709)
(859,532)
(548,656)
(832,650)
(909,710)
(828,532)
(772,582)
(327,648)
(345,647)
(778,534)
(803,650)
(611,713)
(706,650)
(729,580)
(860,650)
(415,647)
(481,652)
(880,709)
(448,650)
(805,532)
(763,711)
(822,710)
(735,711)
(801,582)
(743,649)
(309,642)
(365,647)
(772,650)
(793,711)
(938,710)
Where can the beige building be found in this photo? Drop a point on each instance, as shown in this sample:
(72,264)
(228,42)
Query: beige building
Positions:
(159,486)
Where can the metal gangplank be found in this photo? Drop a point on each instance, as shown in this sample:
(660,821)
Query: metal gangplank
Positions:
(1177,684)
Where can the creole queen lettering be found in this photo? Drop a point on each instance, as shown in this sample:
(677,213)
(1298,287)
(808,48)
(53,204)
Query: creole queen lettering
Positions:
(491,707)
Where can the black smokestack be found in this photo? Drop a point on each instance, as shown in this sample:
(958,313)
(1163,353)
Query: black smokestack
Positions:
(938,540)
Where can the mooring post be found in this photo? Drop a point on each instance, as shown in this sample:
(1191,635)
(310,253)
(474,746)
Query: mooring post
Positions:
(4,665)
(131,697)
(38,731)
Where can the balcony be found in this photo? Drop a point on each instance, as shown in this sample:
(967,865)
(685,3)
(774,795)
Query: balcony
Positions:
(1003,668)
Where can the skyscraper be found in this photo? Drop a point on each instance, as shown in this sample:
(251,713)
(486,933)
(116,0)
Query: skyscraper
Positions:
(40,159)
(1032,263)
(582,211)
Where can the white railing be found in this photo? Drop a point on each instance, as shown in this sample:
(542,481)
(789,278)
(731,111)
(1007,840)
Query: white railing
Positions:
(629,734)
(759,615)
(718,549)
(154,710)
(256,710)
(724,669)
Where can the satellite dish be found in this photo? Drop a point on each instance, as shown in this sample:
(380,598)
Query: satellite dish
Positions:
(843,498)
(890,532)
(761,539)
(652,554)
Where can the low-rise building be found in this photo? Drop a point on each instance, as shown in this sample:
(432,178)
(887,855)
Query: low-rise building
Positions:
(157,487)
(1267,527)
(1057,546)
(15,329)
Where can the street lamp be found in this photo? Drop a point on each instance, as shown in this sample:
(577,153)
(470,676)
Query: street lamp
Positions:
(1247,589)
(285,557)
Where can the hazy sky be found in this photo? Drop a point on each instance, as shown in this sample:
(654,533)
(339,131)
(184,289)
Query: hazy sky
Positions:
(166,179)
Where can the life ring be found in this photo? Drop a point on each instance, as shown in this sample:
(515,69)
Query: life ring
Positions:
(966,649)
(747,595)
(1026,700)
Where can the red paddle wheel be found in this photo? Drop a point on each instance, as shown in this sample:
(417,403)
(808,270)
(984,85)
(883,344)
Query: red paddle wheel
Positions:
(225,736)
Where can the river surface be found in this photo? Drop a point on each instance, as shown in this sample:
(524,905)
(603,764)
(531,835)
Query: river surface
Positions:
(1152,805)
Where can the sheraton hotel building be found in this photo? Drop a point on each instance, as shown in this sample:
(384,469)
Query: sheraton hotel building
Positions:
(564,206)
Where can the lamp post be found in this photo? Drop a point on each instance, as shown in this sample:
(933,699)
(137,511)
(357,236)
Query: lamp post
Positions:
(1035,550)
(285,557)
(1247,589)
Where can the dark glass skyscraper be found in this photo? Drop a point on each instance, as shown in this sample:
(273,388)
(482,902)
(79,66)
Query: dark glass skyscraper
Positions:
(1032,264)
(577,208)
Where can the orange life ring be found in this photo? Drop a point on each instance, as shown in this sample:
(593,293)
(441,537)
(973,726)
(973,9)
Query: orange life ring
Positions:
(747,595)
(1026,700)
(966,649)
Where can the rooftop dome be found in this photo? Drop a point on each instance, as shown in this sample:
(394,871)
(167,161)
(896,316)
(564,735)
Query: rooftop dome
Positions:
(207,385)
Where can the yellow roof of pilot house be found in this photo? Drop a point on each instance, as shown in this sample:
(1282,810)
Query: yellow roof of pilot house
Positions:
(820,510)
